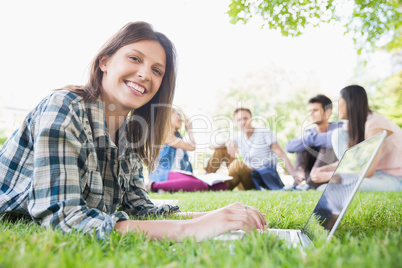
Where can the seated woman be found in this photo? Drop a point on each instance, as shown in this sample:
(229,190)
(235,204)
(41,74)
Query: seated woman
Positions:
(385,173)
(173,161)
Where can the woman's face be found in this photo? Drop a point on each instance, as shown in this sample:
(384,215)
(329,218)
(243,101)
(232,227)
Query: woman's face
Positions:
(176,120)
(342,108)
(132,76)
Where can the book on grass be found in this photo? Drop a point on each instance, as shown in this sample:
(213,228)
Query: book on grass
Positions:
(161,202)
(208,178)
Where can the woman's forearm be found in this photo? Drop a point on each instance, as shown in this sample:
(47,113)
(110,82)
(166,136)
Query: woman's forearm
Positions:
(155,229)
(172,229)
(191,137)
(203,225)
(191,215)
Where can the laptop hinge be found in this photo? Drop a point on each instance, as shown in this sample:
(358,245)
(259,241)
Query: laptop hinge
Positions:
(305,240)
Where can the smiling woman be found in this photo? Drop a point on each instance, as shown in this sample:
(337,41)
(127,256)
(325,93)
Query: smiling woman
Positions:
(76,161)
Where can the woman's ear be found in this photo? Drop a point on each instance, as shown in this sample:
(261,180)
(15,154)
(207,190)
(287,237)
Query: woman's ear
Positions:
(103,63)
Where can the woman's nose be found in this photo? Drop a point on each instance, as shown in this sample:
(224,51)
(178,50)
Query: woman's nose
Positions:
(143,73)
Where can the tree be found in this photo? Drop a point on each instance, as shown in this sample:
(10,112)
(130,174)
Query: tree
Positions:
(368,21)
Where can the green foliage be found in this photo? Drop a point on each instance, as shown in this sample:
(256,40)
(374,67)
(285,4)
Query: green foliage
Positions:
(369,22)
(395,43)
(2,140)
(387,99)
(289,17)
(370,235)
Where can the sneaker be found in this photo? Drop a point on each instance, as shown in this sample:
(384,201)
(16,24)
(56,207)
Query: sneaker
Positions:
(302,187)
(290,187)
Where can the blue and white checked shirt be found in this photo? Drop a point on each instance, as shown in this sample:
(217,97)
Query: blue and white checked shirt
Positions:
(62,169)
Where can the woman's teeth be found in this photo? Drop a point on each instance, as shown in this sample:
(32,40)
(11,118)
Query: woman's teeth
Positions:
(135,87)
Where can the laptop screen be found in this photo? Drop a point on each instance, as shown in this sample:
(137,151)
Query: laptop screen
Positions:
(342,187)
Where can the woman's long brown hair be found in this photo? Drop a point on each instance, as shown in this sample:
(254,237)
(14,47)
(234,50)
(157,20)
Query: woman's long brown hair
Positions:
(148,124)
(357,110)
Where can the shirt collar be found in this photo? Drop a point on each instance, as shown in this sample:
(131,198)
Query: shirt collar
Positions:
(100,132)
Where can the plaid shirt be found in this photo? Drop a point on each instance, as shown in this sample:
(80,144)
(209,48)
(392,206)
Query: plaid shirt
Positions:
(62,169)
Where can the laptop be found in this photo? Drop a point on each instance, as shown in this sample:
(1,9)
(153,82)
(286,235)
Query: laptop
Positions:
(334,201)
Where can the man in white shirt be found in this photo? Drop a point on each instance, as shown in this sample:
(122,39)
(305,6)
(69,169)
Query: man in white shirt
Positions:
(258,147)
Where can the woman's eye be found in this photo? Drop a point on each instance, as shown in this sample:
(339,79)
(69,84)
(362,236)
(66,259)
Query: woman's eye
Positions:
(135,59)
(157,72)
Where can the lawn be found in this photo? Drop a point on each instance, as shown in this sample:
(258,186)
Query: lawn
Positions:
(370,235)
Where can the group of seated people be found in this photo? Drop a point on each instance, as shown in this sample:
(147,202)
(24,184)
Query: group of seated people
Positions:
(318,149)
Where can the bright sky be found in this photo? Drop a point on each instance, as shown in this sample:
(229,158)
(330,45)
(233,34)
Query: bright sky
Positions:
(49,44)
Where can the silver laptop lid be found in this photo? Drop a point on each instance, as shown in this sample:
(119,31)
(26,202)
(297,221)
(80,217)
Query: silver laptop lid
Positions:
(341,188)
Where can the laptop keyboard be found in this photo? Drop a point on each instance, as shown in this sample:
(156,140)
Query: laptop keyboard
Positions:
(291,237)
(284,235)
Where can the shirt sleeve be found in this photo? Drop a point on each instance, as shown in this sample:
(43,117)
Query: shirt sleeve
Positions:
(55,196)
(136,201)
(376,121)
(310,138)
(269,137)
(299,144)
(295,145)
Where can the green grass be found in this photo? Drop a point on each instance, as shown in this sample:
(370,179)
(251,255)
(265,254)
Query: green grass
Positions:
(370,235)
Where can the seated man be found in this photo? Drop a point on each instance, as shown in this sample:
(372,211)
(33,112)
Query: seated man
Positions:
(259,149)
(314,147)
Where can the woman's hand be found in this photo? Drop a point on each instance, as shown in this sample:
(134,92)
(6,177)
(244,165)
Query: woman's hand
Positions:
(188,125)
(233,217)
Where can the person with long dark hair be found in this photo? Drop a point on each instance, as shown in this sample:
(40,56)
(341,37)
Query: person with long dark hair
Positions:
(76,161)
(385,173)
(174,170)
